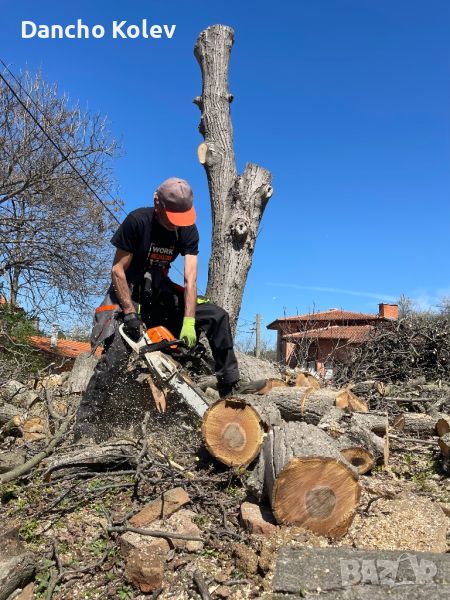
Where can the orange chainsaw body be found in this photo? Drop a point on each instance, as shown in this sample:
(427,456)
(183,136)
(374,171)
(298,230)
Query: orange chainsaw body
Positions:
(159,334)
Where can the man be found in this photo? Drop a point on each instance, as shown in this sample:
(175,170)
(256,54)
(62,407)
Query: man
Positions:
(141,295)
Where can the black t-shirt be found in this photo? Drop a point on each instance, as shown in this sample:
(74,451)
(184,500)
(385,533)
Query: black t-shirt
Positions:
(153,246)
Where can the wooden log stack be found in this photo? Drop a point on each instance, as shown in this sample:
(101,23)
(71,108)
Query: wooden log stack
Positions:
(311,450)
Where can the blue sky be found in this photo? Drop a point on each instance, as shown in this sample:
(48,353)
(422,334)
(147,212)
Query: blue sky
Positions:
(345,101)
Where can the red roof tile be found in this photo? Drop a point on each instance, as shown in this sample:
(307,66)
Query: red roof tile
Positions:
(333,314)
(351,333)
(69,348)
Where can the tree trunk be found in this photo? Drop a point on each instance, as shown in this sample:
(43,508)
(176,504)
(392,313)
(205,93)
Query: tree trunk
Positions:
(233,429)
(237,201)
(306,480)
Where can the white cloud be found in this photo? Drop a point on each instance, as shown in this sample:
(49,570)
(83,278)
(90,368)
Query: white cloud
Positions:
(376,295)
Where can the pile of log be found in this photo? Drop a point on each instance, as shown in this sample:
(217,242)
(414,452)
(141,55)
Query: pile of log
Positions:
(309,445)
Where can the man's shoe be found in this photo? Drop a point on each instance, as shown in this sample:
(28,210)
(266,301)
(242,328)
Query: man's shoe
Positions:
(240,387)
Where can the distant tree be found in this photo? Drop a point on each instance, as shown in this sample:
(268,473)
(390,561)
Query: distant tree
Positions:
(53,231)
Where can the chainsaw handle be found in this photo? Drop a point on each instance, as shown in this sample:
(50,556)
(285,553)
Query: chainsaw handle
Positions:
(162,345)
(142,346)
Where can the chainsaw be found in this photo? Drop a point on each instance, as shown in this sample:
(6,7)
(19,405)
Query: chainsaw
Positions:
(164,370)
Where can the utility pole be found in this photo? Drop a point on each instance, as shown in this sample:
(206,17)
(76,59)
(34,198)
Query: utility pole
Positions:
(258,336)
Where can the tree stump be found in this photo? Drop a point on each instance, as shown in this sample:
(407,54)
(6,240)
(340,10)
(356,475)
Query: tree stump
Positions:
(307,481)
(233,429)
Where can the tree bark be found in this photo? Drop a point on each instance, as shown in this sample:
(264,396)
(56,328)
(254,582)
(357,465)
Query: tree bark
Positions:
(237,201)
(306,404)
(306,480)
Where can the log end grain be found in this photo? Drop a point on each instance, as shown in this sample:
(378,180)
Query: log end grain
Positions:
(232,432)
(360,458)
(317,493)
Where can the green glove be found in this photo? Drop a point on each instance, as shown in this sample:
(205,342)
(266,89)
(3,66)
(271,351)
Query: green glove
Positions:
(188,331)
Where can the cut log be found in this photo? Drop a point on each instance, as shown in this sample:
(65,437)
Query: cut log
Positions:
(233,429)
(18,394)
(358,444)
(307,404)
(357,456)
(306,480)
(305,379)
(347,399)
(82,371)
(93,458)
(443,425)
(252,368)
(416,424)
(11,459)
(9,412)
(271,384)
(373,421)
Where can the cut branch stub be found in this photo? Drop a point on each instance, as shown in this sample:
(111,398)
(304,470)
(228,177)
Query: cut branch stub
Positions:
(233,430)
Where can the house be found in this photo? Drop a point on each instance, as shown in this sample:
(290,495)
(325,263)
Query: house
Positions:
(69,349)
(317,340)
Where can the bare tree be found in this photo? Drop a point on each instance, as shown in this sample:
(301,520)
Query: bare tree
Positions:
(53,230)
(237,201)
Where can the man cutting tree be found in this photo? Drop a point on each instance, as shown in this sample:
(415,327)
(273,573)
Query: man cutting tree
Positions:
(141,295)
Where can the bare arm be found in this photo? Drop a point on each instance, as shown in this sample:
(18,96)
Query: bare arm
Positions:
(190,284)
(122,261)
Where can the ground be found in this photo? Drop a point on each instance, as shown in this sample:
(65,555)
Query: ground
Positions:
(64,518)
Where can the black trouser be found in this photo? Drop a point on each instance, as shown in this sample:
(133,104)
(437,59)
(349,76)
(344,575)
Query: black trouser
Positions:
(209,318)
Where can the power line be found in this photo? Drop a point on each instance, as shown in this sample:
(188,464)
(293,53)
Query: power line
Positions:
(66,158)
(63,154)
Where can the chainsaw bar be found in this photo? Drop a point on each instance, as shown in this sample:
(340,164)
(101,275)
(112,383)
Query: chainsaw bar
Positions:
(167,374)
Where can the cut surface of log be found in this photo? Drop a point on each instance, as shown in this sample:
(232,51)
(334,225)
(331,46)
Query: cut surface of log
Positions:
(305,379)
(306,479)
(233,429)
(358,457)
(444,445)
(443,425)
(347,399)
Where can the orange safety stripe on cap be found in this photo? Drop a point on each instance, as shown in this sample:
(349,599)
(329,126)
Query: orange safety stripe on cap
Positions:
(106,307)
